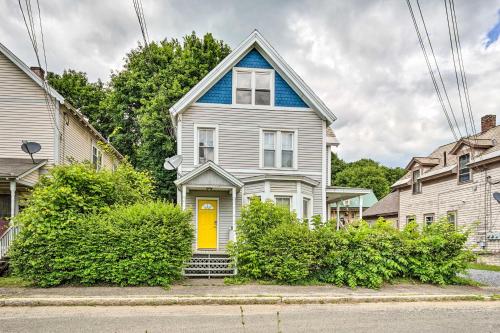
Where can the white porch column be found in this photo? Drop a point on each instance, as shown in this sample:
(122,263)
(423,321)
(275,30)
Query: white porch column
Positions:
(360,207)
(234,209)
(183,197)
(338,215)
(12,198)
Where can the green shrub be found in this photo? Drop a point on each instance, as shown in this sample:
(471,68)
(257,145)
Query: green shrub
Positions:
(83,226)
(273,245)
(437,253)
(256,220)
(360,255)
(289,251)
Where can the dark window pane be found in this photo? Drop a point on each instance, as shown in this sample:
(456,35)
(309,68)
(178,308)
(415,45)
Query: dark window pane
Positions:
(243,96)
(287,158)
(262,97)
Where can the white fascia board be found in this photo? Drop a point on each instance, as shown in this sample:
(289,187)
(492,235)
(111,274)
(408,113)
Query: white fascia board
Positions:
(209,165)
(270,54)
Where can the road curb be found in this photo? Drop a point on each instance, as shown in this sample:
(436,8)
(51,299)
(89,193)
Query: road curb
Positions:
(231,300)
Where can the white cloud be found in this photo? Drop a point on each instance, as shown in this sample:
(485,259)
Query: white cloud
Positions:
(361,57)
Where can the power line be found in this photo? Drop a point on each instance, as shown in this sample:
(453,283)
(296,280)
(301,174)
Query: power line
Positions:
(439,71)
(142,21)
(429,67)
(454,64)
(462,68)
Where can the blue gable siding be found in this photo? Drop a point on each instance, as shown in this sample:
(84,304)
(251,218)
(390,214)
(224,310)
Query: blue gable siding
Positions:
(221,92)
(284,95)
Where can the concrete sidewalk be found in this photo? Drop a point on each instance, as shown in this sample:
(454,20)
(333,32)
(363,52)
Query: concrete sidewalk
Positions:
(196,292)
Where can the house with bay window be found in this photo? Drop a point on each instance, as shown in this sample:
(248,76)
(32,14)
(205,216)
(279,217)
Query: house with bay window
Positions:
(457,182)
(252,128)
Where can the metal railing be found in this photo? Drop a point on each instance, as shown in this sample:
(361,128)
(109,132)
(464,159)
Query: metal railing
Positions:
(6,240)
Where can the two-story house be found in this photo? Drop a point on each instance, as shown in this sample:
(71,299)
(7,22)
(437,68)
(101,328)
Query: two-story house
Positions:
(32,111)
(252,128)
(457,181)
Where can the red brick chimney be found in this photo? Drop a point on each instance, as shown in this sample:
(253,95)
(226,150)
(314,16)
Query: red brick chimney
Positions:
(38,71)
(488,122)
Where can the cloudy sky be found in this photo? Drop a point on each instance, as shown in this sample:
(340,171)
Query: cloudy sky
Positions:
(361,57)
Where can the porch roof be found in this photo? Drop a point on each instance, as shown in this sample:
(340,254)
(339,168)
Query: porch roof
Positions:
(206,168)
(338,193)
(15,168)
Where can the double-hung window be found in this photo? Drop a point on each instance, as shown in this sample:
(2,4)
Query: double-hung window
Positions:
(96,157)
(416,182)
(253,87)
(206,145)
(306,206)
(279,149)
(463,168)
(452,217)
(283,201)
(269,149)
(428,219)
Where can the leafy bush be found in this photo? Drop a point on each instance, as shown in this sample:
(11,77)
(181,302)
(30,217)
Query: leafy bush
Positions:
(273,245)
(436,254)
(83,226)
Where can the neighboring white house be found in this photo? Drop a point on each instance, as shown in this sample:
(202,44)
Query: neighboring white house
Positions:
(28,113)
(457,181)
(252,128)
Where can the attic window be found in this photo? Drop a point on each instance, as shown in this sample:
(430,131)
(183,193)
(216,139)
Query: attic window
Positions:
(416,182)
(463,168)
(253,86)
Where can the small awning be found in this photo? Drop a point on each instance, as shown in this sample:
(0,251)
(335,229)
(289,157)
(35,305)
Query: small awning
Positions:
(338,193)
(209,176)
(16,168)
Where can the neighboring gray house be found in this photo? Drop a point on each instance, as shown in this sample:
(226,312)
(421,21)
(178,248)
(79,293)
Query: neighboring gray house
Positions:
(457,181)
(252,128)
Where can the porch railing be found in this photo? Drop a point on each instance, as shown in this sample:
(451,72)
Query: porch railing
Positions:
(6,240)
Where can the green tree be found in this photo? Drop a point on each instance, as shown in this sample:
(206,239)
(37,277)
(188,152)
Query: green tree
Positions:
(83,95)
(152,80)
(338,165)
(364,176)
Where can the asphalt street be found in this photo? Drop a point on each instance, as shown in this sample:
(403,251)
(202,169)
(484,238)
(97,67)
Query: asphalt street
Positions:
(479,316)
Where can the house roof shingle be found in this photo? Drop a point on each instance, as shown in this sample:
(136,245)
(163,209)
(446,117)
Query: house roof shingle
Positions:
(388,205)
(15,167)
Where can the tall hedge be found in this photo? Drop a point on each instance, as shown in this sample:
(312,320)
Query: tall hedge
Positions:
(272,244)
(85,226)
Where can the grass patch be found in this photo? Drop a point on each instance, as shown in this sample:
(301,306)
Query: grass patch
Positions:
(484,267)
(13,282)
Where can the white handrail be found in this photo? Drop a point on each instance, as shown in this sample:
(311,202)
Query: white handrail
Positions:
(6,240)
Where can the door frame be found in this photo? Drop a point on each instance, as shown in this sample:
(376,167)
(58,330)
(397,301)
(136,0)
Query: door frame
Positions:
(196,220)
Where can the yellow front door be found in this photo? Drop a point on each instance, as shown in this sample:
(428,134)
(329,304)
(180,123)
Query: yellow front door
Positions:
(207,224)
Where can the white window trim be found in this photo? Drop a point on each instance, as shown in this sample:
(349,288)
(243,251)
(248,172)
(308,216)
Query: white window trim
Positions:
(99,150)
(253,71)
(455,214)
(413,182)
(292,197)
(309,208)
(278,148)
(196,143)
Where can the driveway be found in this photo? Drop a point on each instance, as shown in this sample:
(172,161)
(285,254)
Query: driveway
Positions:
(489,278)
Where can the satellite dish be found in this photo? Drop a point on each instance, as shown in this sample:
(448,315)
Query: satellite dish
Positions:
(496,195)
(31,148)
(172,163)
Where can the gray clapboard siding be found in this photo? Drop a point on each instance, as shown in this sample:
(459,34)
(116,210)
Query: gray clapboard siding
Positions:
(23,114)
(254,188)
(284,186)
(239,134)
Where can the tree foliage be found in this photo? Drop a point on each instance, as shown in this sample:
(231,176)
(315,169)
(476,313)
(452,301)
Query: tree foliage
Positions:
(133,110)
(365,173)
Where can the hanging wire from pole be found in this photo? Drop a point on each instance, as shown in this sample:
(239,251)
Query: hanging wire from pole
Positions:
(429,67)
